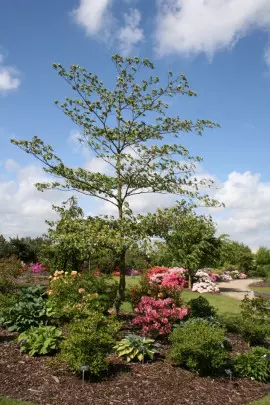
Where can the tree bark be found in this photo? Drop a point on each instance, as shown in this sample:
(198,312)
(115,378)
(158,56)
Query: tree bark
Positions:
(189,281)
(120,297)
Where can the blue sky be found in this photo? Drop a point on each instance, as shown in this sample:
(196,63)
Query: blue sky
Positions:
(222,46)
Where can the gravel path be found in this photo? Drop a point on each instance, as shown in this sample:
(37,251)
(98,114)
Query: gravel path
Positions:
(238,288)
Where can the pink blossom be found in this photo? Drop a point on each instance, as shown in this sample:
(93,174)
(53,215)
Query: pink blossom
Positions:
(37,267)
(156,316)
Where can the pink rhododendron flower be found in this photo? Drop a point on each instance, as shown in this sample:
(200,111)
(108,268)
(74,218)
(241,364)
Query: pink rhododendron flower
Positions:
(156,317)
(167,277)
(37,267)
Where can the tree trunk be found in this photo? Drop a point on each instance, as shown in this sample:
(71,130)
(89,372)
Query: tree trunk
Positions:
(120,297)
(189,281)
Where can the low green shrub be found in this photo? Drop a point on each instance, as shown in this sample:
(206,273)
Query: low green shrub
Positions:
(135,347)
(28,310)
(89,341)
(231,322)
(199,346)
(254,331)
(201,308)
(40,340)
(253,323)
(254,364)
(256,308)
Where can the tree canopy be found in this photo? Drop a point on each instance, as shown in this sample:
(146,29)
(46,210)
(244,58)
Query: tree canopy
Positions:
(128,127)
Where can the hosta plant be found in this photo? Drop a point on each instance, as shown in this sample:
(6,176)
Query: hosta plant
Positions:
(29,310)
(40,340)
(135,347)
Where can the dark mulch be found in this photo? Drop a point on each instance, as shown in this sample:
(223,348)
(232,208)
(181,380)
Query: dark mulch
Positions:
(159,383)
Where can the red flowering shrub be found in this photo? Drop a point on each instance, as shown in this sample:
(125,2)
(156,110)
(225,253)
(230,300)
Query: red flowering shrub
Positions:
(156,270)
(157,316)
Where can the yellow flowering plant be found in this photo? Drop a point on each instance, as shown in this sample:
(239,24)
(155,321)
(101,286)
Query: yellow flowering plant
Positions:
(72,295)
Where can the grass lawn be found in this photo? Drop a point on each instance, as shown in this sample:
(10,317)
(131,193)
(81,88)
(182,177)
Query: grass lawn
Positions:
(262,289)
(264,401)
(9,401)
(222,303)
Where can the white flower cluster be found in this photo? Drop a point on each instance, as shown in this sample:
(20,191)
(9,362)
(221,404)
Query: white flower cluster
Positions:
(204,283)
(225,277)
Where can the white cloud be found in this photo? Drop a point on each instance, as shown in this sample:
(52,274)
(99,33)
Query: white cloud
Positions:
(267,56)
(246,217)
(93,15)
(23,209)
(97,165)
(11,165)
(97,19)
(200,26)
(9,77)
(131,33)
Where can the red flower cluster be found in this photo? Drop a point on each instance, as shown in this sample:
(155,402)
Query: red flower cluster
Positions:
(157,316)
(157,270)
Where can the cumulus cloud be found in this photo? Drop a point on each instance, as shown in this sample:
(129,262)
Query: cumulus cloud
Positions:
(246,217)
(97,165)
(97,19)
(199,26)
(93,15)
(23,209)
(9,76)
(131,33)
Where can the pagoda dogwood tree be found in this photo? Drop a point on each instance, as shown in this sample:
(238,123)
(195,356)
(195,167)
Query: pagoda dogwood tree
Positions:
(128,128)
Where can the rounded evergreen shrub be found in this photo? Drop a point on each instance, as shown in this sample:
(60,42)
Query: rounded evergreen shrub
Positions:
(200,308)
(88,343)
(199,346)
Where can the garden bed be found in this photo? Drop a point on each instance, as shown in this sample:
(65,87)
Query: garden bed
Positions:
(40,381)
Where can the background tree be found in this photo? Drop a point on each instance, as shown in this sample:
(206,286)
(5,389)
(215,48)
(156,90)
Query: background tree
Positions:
(262,256)
(187,239)
(262,260)
(237,255)
(128,128)
(5,248)
(26,249)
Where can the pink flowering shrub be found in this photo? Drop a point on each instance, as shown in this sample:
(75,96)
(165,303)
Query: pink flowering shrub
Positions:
(167,277)
(242,276)
(37,267)
(214,276)
(156,317)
